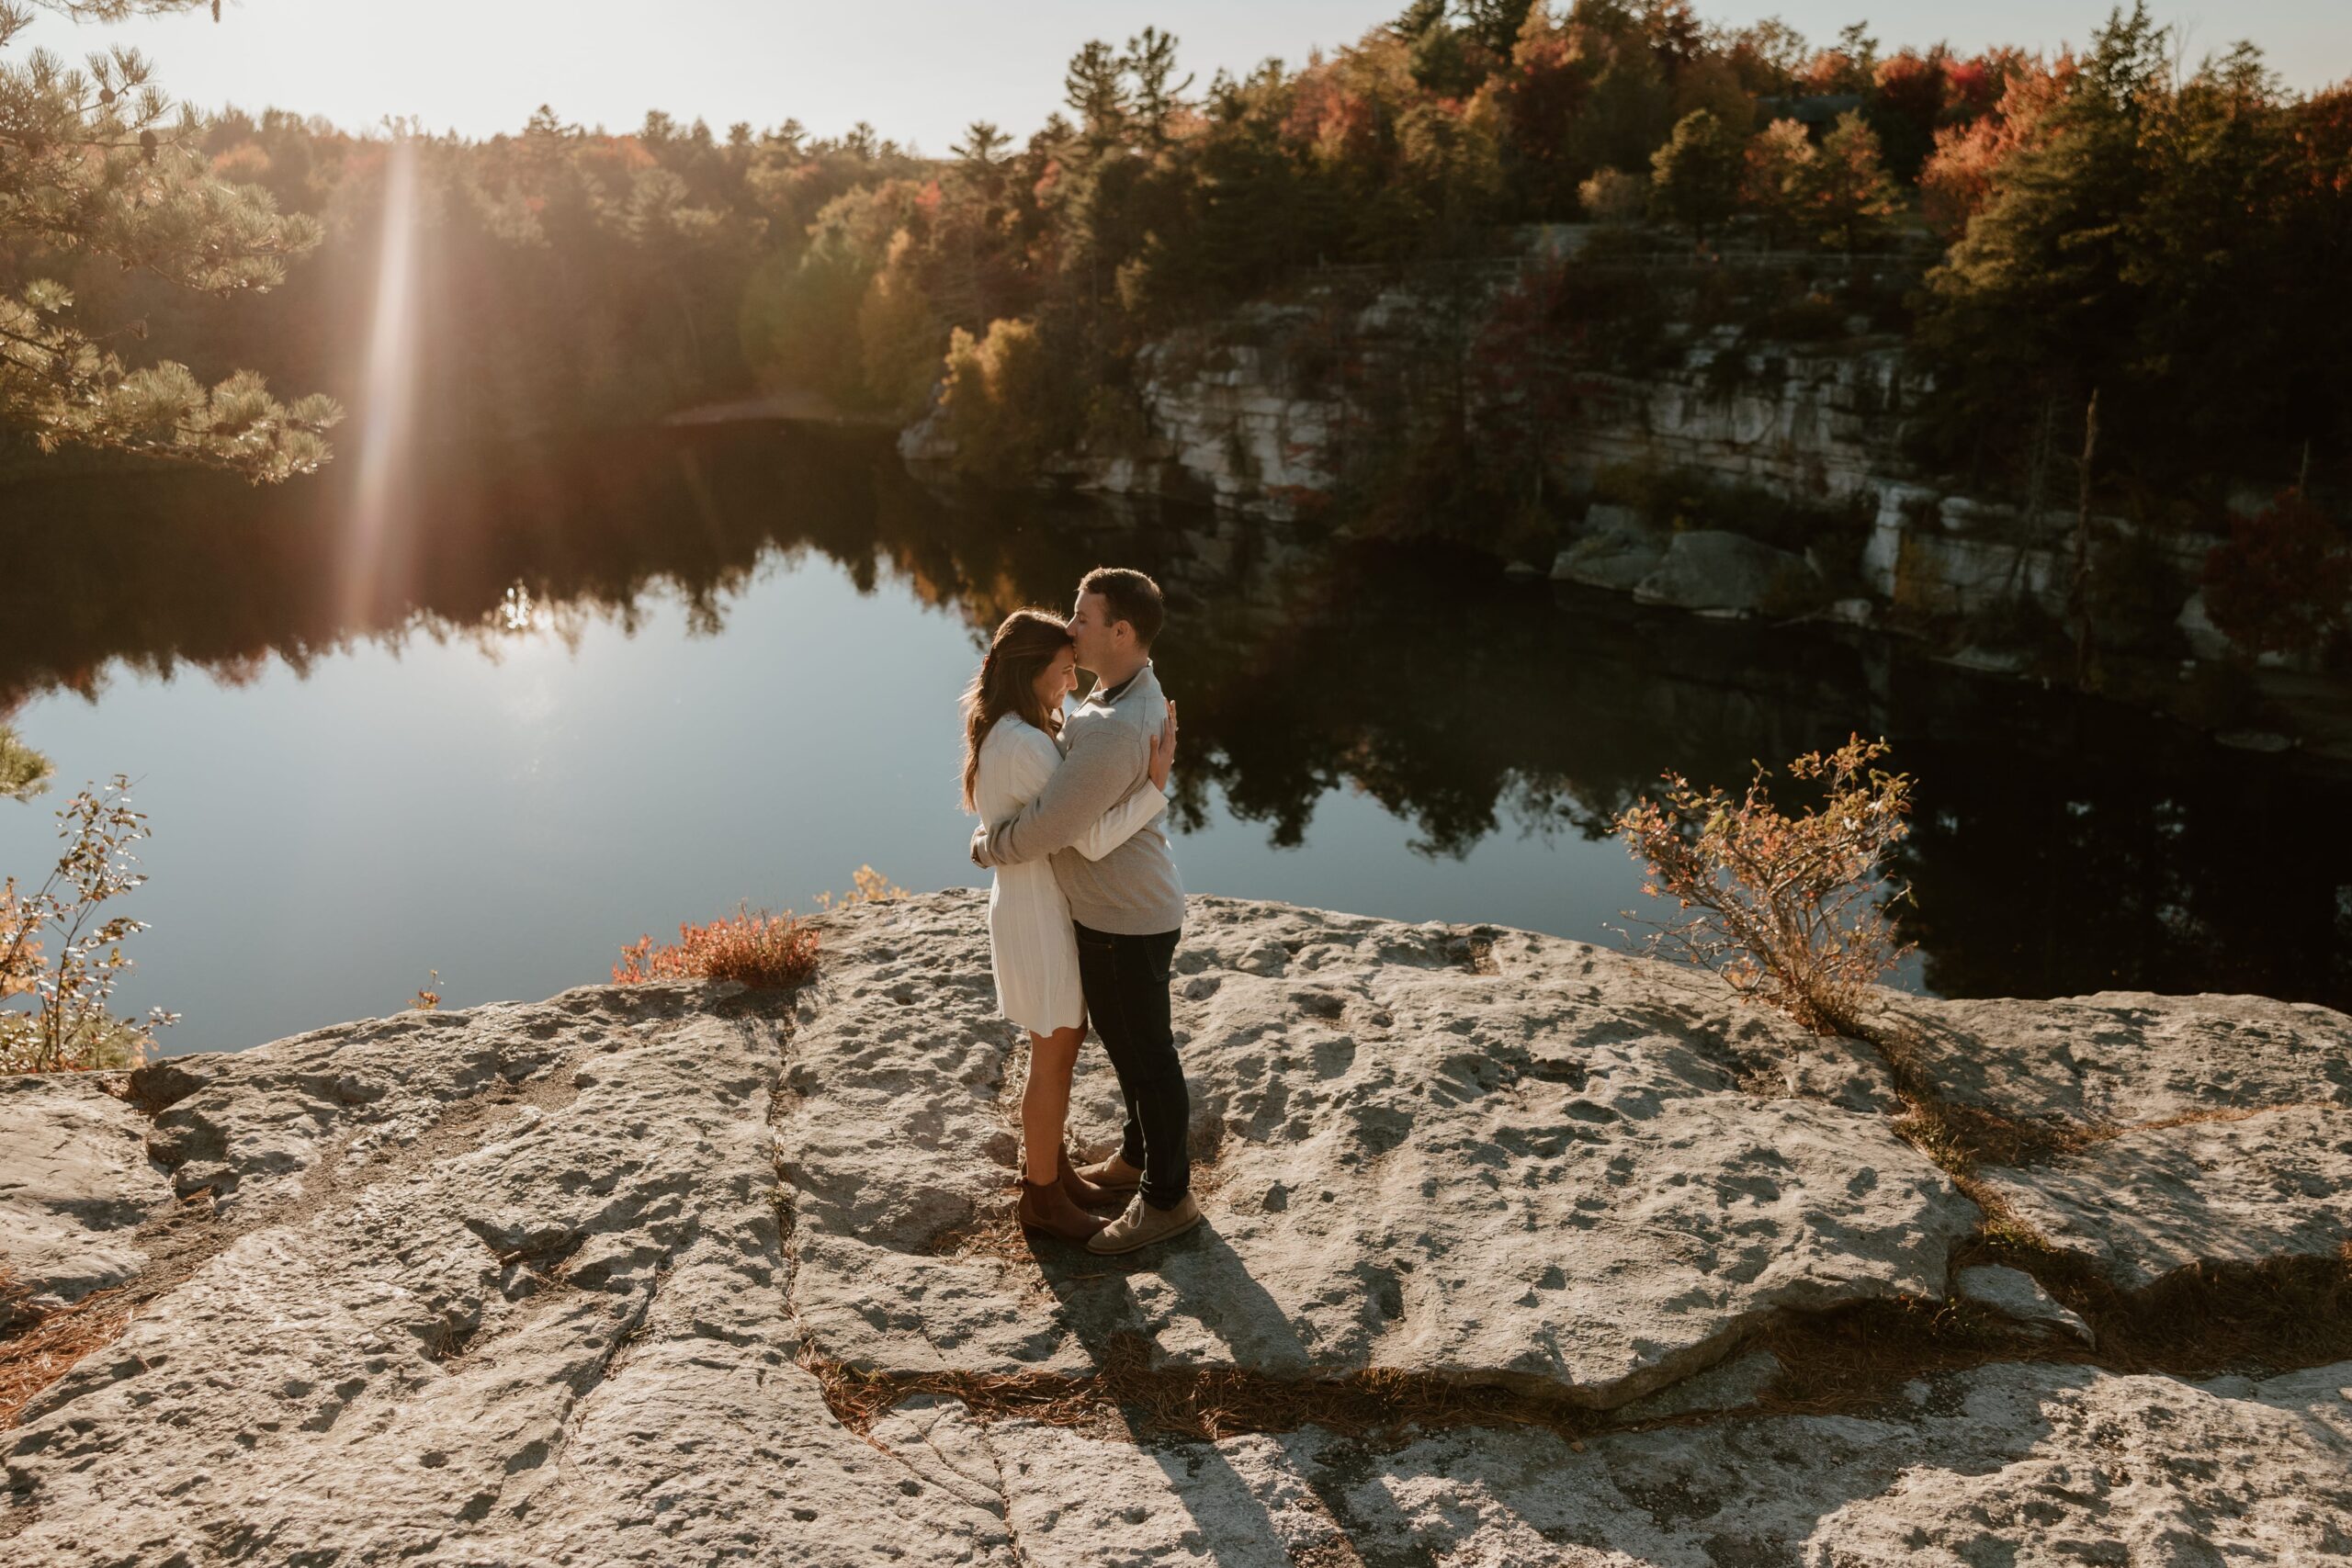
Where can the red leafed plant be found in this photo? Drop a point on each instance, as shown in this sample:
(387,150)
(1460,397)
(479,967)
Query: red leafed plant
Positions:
(770,952)
(1788,907)
(2279,583)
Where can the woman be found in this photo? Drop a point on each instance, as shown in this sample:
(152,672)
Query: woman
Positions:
(1012,717)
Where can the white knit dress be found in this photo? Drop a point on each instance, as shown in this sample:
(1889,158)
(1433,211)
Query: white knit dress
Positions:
(1030,939)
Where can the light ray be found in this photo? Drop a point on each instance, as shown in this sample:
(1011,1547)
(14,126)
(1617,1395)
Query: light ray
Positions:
(387,393)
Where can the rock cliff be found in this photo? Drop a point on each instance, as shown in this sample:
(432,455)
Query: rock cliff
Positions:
(1519,1251)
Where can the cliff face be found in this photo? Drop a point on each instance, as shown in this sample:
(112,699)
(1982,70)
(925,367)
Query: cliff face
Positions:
(1518,1251)
(1268,414)
(1246,416)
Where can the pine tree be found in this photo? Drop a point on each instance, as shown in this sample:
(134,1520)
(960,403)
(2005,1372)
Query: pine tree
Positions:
(1151,59)
(96,162)
(1095,87)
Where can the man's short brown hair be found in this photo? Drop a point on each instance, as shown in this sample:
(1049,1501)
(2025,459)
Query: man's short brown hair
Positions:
(1129,596)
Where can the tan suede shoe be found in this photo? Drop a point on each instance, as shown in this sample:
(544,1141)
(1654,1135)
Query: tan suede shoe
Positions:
(1142,1224)
(1111,1175)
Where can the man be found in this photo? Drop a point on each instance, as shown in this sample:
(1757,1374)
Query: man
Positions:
(1128,905)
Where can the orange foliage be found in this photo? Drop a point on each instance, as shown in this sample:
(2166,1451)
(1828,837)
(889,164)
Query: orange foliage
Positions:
(1790,907)
(20,951)
(2321,127)
(770,952)
(1330,115)
(1959,177)
(242,164)
(2278,585)
(1540,95)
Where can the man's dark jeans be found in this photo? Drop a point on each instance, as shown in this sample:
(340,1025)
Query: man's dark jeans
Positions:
(1125,979)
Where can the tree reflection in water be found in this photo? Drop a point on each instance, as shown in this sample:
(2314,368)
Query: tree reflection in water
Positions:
(2060,846)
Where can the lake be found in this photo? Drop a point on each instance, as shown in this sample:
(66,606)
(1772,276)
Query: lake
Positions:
(550,701)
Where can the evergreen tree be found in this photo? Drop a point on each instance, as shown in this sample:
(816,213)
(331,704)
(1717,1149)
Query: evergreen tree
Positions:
(1440,59)
(1095,87)
(1151,61)
(1495,25)
(96,163)
(2034,303)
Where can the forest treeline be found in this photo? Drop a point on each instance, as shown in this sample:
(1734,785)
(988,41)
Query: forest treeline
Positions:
(2172,235)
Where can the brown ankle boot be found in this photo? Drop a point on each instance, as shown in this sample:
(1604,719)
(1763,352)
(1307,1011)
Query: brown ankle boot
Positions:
(1084,1193)
(1044,1206)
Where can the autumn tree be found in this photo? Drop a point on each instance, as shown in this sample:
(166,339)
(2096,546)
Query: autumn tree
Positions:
(1905,106)
(1772,173)
(98,163)
(1957,178)
(2283,582)
(2176,243)
(1843,190)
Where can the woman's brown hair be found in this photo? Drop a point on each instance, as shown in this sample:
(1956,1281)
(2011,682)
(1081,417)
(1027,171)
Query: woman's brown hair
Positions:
(1018,654)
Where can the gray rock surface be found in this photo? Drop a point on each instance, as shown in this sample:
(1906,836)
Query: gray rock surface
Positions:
(553,1284)
(1609,560)
(2031,1465)
(1535,1162)
(2149,1132)
(2141,1206)
(74,1183)
(1614,549)
(2019,1296)
(499,1286)
(2118,1058)
(1713,569)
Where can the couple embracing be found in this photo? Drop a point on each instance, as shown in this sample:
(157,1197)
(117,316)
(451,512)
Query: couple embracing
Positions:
(1086,907)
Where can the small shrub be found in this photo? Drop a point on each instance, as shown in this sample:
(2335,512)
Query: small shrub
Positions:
(71,1026)
(1005,402)
(2278,585)
(867,885)
(427,999)
(1788,907)
(1614,196)
(1113,420)
(23,772)
(762,950)
(768,952)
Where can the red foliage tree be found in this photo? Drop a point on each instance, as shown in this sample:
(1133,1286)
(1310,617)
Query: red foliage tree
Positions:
(1904,107)
(1540,95)
(1958,178)
(2280,583)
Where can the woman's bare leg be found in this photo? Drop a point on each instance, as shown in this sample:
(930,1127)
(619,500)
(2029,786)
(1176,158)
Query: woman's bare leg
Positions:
(1045,1100)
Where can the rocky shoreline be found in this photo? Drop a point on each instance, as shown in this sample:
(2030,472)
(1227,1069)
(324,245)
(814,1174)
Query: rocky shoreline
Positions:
(1519,1251)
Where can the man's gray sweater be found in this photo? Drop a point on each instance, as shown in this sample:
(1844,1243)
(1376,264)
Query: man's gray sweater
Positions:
(1106,745)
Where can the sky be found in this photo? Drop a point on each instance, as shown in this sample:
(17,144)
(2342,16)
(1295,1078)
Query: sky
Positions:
(919,73)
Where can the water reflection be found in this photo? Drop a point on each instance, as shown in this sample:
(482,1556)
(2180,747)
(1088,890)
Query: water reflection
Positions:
(2060,846)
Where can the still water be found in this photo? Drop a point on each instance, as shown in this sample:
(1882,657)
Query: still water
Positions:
(576,695)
